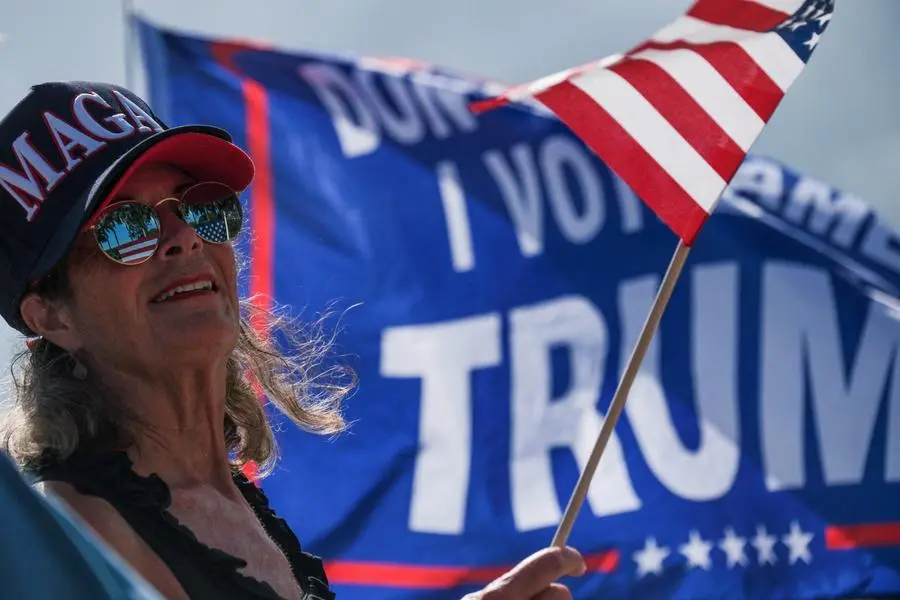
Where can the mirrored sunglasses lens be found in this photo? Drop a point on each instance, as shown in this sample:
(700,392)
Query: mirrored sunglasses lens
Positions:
(214,211)
(128,233)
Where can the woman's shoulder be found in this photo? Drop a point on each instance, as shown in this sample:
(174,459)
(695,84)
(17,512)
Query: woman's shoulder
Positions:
(94,510)
(106,521)
(92,484)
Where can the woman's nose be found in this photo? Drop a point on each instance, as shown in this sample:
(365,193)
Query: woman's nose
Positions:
(177,236)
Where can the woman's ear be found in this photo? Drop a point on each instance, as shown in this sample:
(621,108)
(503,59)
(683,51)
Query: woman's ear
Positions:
(50,320)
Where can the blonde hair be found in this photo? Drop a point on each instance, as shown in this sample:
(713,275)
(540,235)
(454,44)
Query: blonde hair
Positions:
(53,412)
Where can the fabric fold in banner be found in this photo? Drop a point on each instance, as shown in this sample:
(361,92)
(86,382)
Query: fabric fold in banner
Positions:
(491,275)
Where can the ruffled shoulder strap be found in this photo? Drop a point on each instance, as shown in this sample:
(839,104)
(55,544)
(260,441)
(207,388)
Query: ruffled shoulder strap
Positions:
(108,475)
(308,569)
(144,503)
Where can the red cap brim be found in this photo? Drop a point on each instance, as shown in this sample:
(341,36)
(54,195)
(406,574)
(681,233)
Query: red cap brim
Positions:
(203,156)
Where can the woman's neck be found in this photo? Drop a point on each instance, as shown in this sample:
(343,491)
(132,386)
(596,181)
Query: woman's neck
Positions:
(180,435)
(189,457)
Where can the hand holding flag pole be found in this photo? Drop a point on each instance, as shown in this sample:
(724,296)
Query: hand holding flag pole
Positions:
(675,117)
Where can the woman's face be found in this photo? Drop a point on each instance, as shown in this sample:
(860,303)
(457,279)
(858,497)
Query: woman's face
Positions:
(125,316)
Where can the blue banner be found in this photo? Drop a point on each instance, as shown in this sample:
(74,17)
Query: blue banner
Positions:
(492,276)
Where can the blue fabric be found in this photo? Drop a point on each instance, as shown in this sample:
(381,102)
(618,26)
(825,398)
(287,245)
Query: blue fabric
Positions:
(46,552)
(491,277)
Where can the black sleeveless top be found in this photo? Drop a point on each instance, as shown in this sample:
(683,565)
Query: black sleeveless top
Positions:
(205,573)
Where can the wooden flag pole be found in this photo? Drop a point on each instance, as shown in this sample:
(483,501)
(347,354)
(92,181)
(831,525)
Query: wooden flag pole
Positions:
(621,395)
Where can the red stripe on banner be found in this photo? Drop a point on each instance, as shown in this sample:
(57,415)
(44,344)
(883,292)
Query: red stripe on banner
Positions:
(480,106)
(738,68)
(262,206)
(262,213)
(393,575)
(684,114)
(625,156)
(742,14)
(869,535)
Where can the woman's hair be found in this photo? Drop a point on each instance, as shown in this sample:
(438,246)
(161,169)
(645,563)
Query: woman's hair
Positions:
(54,411)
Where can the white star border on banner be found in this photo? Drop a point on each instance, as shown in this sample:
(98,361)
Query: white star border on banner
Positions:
(731,550)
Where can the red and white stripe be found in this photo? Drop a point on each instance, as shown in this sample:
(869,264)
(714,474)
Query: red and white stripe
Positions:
(675,116)
(138,250)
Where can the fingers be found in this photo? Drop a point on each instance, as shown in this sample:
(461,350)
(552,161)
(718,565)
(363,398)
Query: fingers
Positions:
(538,571)
(534,577)
(556,591)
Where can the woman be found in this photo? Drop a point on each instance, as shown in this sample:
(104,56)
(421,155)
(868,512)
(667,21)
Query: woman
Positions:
(137,398)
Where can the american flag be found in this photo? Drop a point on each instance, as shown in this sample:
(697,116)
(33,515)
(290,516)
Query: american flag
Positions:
(137,250)
(214,230)
(676,115)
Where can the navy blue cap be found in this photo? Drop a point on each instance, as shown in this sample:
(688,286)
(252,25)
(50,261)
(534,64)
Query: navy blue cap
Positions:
(64,150)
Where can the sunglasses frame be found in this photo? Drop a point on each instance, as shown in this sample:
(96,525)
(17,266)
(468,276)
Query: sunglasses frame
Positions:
(179,203)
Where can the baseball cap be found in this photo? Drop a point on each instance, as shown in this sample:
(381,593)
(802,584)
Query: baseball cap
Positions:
(64,150)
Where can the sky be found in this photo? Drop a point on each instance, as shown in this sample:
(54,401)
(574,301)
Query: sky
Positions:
(840,122)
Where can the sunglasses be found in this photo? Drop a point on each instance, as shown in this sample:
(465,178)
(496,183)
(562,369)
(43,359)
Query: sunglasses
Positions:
(128,232)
